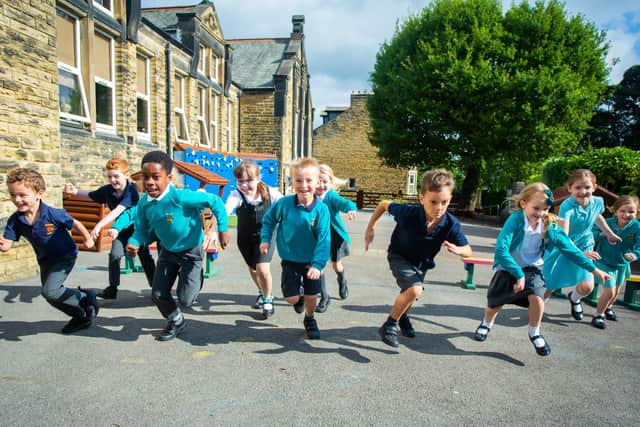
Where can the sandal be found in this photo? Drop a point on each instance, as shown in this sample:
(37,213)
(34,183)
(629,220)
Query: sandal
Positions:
(481,333)
(544,349)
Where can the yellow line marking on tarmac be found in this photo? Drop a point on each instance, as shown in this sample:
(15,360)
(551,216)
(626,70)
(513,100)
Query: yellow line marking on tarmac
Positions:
(616,347)
(202,354)
(133,360)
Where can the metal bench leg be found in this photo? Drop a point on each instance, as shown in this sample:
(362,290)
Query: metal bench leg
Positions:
(129,265)
(469,282)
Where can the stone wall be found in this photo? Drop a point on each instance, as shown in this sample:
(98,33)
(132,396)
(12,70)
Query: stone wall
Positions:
(343,143)
(29,135)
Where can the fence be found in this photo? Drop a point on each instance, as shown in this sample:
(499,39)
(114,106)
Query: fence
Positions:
(370,199)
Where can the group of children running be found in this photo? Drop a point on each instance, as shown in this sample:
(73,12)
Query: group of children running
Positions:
(536,252)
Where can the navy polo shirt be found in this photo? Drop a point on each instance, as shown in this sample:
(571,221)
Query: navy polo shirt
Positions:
(49,234)
(106,194)
(411,240)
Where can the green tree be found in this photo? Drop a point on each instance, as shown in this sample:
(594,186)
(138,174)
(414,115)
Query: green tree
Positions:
(463,85)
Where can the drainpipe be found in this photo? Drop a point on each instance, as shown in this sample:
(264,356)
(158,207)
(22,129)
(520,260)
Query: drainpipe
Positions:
(167,58)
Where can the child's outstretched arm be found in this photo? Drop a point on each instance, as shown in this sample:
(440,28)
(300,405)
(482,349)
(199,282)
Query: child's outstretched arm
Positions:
(369,233)
(108,218)
(461,251)
(5,244)
(72,190)
(612,237)
(88,240)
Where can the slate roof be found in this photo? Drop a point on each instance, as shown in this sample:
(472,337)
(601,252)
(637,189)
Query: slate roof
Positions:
(255,61)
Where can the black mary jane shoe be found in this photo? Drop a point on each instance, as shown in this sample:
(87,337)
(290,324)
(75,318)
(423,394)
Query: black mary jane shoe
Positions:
(543,350)
(479,336)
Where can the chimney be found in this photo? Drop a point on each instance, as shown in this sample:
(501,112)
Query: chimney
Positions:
(298,24)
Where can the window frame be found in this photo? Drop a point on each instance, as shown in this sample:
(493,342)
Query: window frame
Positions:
(110,84)
(412,188)
(215,65)
(75,70)
(203,127)
(202,59)
(213,118)
(104,9)
(181,111)
(144,97)
(229,128)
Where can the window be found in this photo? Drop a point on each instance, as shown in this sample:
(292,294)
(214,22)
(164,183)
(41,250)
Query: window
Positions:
(213,119)
(412,177)
(202,59)
(72,96)
(143,100)
(202,113)
(229,133)
(215,65)
(102,57)
(294,141)
(352,183)
(105,5)
(179,116)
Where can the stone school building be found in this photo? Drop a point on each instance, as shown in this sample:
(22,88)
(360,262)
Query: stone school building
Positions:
(82,81)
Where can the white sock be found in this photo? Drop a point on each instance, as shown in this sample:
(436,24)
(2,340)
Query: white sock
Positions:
(484,327)
(177,318)
(598,314)
(576,296)
(534,330)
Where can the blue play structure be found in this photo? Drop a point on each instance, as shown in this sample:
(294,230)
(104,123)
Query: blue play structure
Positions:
(223,165)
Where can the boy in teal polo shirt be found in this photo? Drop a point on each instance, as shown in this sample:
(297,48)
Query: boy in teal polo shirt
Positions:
(303,240)
(174,217)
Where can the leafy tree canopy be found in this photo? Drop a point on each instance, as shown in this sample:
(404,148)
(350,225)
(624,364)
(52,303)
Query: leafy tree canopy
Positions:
(464,85)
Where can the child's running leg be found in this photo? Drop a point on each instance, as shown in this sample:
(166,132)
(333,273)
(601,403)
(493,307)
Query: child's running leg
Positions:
(606,298)
(256,281)
(343,289)
(166,273)
(608,312)
(490,314)
(148,264)
(115,255)
(81,305)
(575,297)
(389,329)
(265,285)
(536,310)
(324,295)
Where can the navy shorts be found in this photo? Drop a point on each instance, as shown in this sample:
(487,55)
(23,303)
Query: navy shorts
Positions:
(407,275)
(294,275)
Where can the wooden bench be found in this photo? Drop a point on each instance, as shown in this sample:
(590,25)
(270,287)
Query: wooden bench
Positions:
(89,213)
(469,265)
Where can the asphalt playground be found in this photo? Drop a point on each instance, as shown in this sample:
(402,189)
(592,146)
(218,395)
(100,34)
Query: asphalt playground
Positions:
(230,367)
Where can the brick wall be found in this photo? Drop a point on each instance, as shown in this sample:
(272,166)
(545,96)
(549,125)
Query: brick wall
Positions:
(343,143)
(29,135)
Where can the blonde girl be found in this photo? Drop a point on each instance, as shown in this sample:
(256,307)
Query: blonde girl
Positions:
(578,214)
(339,237)
(615,259)
(518,279)
(250,200)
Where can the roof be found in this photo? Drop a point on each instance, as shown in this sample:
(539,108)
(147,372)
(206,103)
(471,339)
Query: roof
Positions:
(197,172)
(166,18)
(255,61)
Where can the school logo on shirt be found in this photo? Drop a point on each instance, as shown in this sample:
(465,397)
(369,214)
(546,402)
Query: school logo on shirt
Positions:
(169,218)
(49,229)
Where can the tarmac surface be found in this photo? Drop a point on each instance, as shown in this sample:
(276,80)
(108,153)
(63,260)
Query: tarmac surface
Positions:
(230,367)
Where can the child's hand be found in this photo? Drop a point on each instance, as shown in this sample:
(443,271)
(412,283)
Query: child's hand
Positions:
(592,255)
(132,250)
(224,239)
(70,189)
(519,286)
(95,233)
(351,215)
(264,248)
(368,238)
(456,250)
(5,244)
(630,257)
(89,243)
(313,273)
(613,238)
(113,233)
(601,275)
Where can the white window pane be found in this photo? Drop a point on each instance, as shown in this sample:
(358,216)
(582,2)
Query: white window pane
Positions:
(70,94)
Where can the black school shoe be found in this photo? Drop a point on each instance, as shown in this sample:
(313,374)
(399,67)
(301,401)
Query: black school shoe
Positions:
(406,328)
(311,327)
(343,289)
(77,324)
(610,314)
(478,336)
(323,305)
(389,334)
(110,292)
(543,350)
(268,309)
(259,302)
(171,330)
(576,307)
(598,322)
(299,306)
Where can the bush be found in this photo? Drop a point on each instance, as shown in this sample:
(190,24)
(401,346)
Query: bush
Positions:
(617,169)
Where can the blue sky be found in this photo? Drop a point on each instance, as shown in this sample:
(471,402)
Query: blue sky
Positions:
(342,37)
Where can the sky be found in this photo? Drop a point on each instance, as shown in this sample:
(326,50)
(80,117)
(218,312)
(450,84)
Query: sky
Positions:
(342,37)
